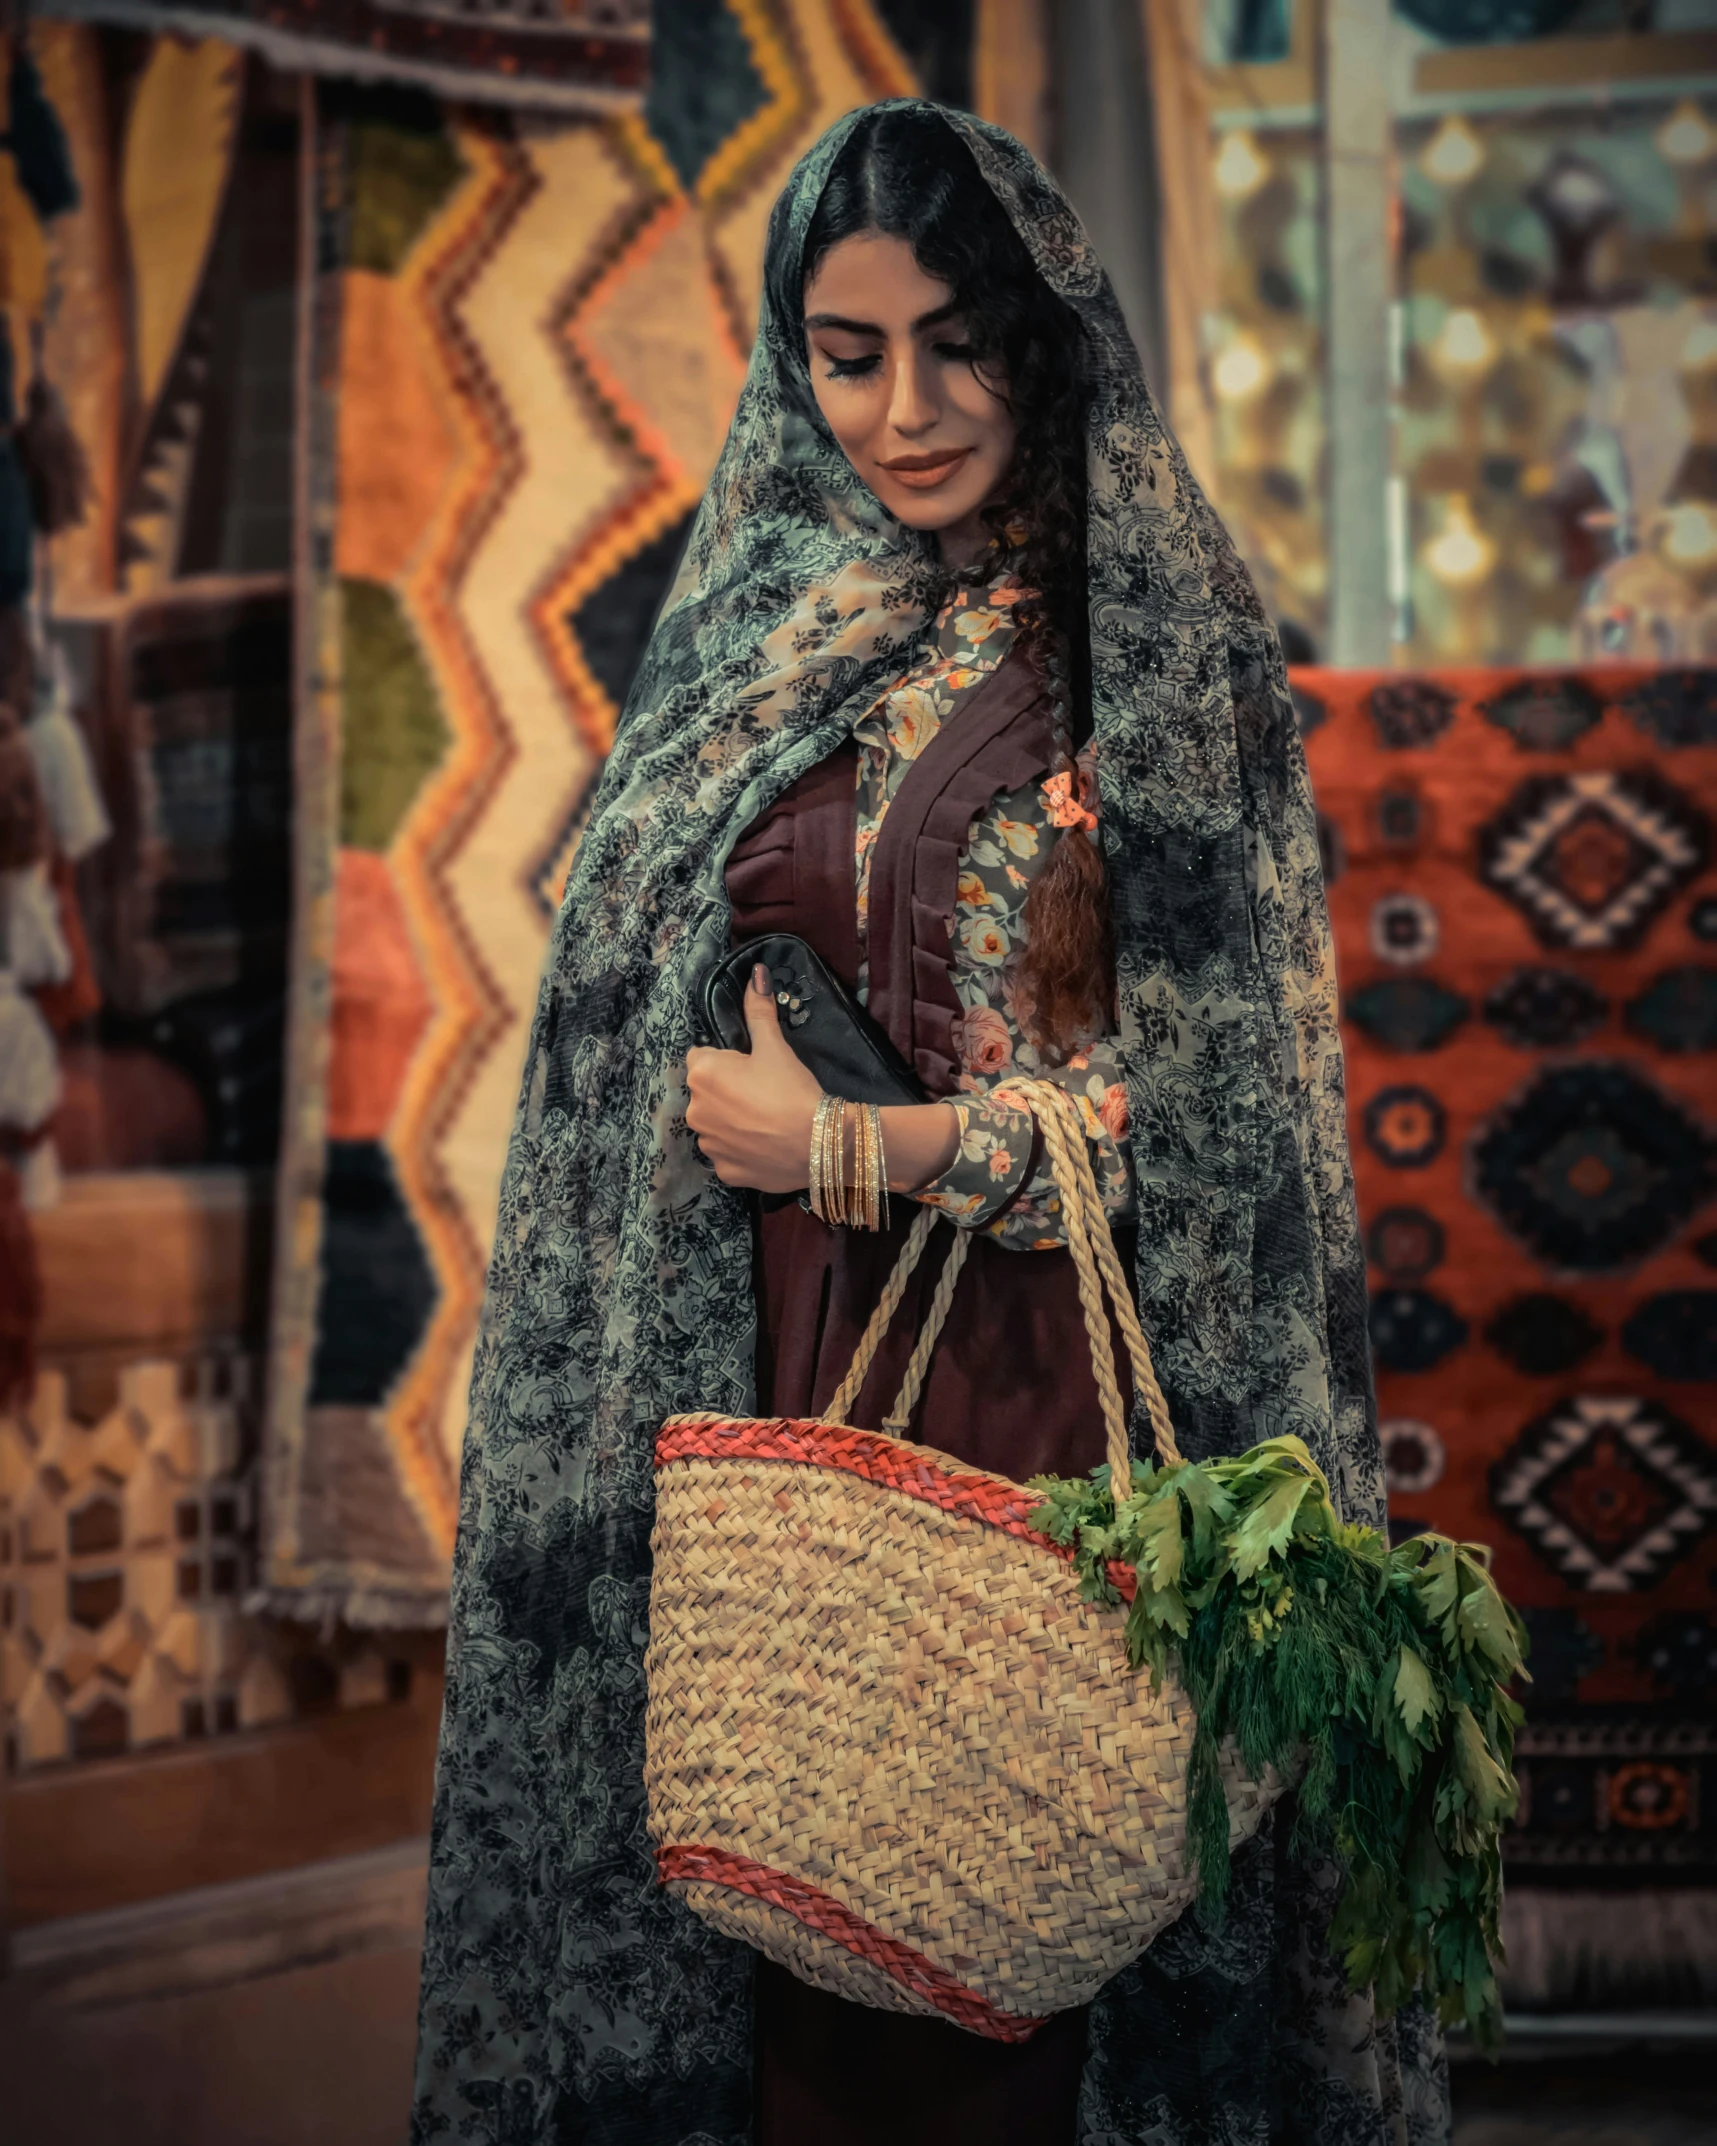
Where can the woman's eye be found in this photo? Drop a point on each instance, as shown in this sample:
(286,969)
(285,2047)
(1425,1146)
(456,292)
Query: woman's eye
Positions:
(851,368)
(956,352)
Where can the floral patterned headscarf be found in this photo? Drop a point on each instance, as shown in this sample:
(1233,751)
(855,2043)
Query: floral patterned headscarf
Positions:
(565,1995)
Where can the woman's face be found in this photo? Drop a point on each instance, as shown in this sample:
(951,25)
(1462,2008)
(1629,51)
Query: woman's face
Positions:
(894,378)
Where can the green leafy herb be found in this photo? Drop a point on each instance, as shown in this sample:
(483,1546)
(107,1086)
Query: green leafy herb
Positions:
(1374,1678)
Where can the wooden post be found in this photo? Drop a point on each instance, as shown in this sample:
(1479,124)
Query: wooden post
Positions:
(1105,155)
(1010,69)
(5,1787)
(1357,131)
(1190,238)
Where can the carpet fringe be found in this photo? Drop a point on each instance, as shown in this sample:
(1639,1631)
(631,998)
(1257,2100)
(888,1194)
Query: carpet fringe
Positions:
(1611,1951)
(358,1608)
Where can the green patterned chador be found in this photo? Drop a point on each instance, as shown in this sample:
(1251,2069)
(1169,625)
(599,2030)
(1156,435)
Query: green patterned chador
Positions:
(566,1996)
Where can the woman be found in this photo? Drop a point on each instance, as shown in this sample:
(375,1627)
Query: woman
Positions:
(962,681)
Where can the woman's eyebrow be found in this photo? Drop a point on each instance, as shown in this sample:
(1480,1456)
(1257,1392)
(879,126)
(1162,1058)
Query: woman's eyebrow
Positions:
(932,319)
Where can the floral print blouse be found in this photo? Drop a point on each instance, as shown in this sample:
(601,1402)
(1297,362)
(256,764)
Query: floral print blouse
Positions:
(997,1181)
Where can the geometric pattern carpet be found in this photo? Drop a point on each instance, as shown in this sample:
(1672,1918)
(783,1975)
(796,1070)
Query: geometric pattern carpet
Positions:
(1523,878)
(581,55)
(527,340)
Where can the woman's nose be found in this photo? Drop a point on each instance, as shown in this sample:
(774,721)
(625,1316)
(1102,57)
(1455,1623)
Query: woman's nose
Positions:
(912,407)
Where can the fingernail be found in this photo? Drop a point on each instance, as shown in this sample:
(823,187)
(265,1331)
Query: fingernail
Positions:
(760,978)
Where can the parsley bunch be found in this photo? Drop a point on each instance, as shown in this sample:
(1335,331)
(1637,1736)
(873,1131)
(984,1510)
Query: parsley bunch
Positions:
(1375,1677)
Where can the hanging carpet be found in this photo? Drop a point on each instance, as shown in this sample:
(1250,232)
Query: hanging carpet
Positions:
(527,346)
(579,56)
(1523,874)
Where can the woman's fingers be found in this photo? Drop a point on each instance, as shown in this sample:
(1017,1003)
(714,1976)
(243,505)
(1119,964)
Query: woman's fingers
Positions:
(717,1151)
(707,1083)
(762,1015)
(750,1111)
(709,1109)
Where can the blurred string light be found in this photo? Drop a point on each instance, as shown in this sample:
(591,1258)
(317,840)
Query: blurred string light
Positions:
(1453,154)
(1574,196)
(1241,370)
(1689,535)
(1699,352)
(1460,553)
(1686,136)
(1241,167)
(1463,346)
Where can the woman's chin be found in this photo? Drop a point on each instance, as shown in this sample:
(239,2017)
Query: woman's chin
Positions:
(935,511)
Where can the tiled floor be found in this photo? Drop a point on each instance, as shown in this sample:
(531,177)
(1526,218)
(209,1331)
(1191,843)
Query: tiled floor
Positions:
(1618,2094)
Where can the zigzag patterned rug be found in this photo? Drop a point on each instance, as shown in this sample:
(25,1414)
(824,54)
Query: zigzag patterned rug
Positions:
(527,345)
(1523,877)
(581,56)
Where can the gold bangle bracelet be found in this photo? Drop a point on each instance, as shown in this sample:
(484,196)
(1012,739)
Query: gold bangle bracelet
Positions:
(825,1181)
(862,1199)
(835,1163)
(848,1190)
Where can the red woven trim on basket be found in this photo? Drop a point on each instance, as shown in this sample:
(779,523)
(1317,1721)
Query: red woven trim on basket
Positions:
(875,1458)
(719,1866)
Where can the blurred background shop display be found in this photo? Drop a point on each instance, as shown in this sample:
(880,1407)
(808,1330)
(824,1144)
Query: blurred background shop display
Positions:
(362,367)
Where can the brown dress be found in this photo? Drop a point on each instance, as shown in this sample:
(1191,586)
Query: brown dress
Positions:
(1009,1387)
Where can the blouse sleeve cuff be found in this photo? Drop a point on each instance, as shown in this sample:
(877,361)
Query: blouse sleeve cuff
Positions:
(992,1164)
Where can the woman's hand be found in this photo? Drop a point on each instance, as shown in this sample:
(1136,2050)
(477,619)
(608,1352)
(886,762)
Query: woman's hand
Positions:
(752,1111)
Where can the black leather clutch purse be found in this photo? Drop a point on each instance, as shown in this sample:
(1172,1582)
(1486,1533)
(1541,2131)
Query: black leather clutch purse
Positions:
(850,1054)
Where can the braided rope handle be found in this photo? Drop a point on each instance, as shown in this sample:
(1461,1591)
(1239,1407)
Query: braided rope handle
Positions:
(1096,1263)
(847,1392)
(900,1415)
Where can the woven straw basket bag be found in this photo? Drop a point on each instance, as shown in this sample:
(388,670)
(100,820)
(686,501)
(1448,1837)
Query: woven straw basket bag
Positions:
(887,1743)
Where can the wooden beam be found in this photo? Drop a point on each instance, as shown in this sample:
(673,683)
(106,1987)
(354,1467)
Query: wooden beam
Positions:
(1357,147)
(153,1262)
(215,1935)
(102,1835)
(1553,63)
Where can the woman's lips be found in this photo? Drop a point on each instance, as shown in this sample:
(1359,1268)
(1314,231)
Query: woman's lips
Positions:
(922,473)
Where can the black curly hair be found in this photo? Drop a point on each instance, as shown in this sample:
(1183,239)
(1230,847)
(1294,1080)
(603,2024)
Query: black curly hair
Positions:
(907,175)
